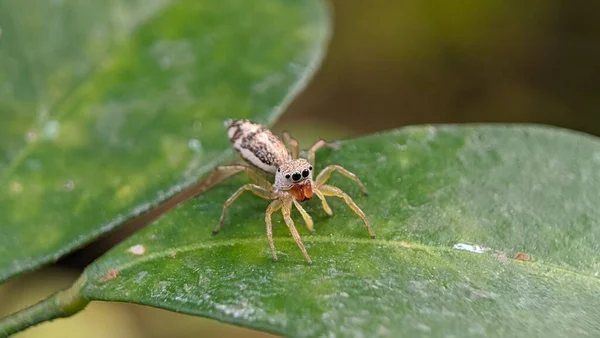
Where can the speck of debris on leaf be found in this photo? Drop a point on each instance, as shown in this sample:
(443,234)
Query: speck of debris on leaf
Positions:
(69,185)
(137,250)
(470,248)
(521,256)
(110,275)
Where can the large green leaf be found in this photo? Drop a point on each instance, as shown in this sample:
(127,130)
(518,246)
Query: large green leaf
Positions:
(108,108)
(433,191)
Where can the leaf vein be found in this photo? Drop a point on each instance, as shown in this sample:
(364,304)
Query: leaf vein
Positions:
(326,239)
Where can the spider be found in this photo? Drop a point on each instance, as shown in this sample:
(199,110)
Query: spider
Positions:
(294,183)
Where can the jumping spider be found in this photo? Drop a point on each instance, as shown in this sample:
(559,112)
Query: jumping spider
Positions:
(264,151)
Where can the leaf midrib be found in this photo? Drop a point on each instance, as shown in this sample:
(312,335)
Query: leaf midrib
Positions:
(327,239)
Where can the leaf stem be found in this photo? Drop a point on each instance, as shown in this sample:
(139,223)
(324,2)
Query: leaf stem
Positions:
(61,304)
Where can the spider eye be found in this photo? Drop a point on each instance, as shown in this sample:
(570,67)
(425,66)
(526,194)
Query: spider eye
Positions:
(287,176)
(296,176)
(305,173)
(310,168)
(278,170)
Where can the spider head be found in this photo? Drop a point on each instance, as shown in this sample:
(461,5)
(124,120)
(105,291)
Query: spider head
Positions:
(293,173)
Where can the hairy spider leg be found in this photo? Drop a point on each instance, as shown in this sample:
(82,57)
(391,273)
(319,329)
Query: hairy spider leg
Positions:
(286,210)
(326,173)
(221,173)
(326,207)
(273,207)
(329,190)
(258,191)
(310,154)
(293,143)
(307,219)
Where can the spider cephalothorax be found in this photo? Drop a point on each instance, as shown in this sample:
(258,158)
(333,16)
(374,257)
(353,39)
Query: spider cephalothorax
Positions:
(295,176)
(294,183)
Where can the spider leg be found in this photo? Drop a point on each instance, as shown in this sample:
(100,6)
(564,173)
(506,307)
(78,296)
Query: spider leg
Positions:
(326,207)
(329,190)
(259,191)
(286,210)
(307,219)
(293,143)
(326,173)
(310,154)
(274,206)
(220,174)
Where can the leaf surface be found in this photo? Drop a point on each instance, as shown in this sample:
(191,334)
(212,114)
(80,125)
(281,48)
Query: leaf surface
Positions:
(433,192)
(109,108)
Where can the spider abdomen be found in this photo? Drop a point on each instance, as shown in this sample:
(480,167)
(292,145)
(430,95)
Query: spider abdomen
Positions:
(257,145)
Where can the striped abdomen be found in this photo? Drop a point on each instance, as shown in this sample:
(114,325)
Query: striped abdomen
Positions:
(257,145)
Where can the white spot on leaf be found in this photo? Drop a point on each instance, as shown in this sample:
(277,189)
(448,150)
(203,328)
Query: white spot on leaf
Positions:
(51,129)
(69,185)
(470,248)
(137,250)
(242,310)
(195,145)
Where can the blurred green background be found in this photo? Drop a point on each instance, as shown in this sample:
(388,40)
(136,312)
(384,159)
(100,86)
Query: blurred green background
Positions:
(390,64)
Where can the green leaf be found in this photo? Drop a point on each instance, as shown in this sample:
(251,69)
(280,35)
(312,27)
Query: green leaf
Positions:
(109,108)
(509,189)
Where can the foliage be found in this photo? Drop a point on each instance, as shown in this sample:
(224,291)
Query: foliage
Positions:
(113,111)
(109,109)
(513,191)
